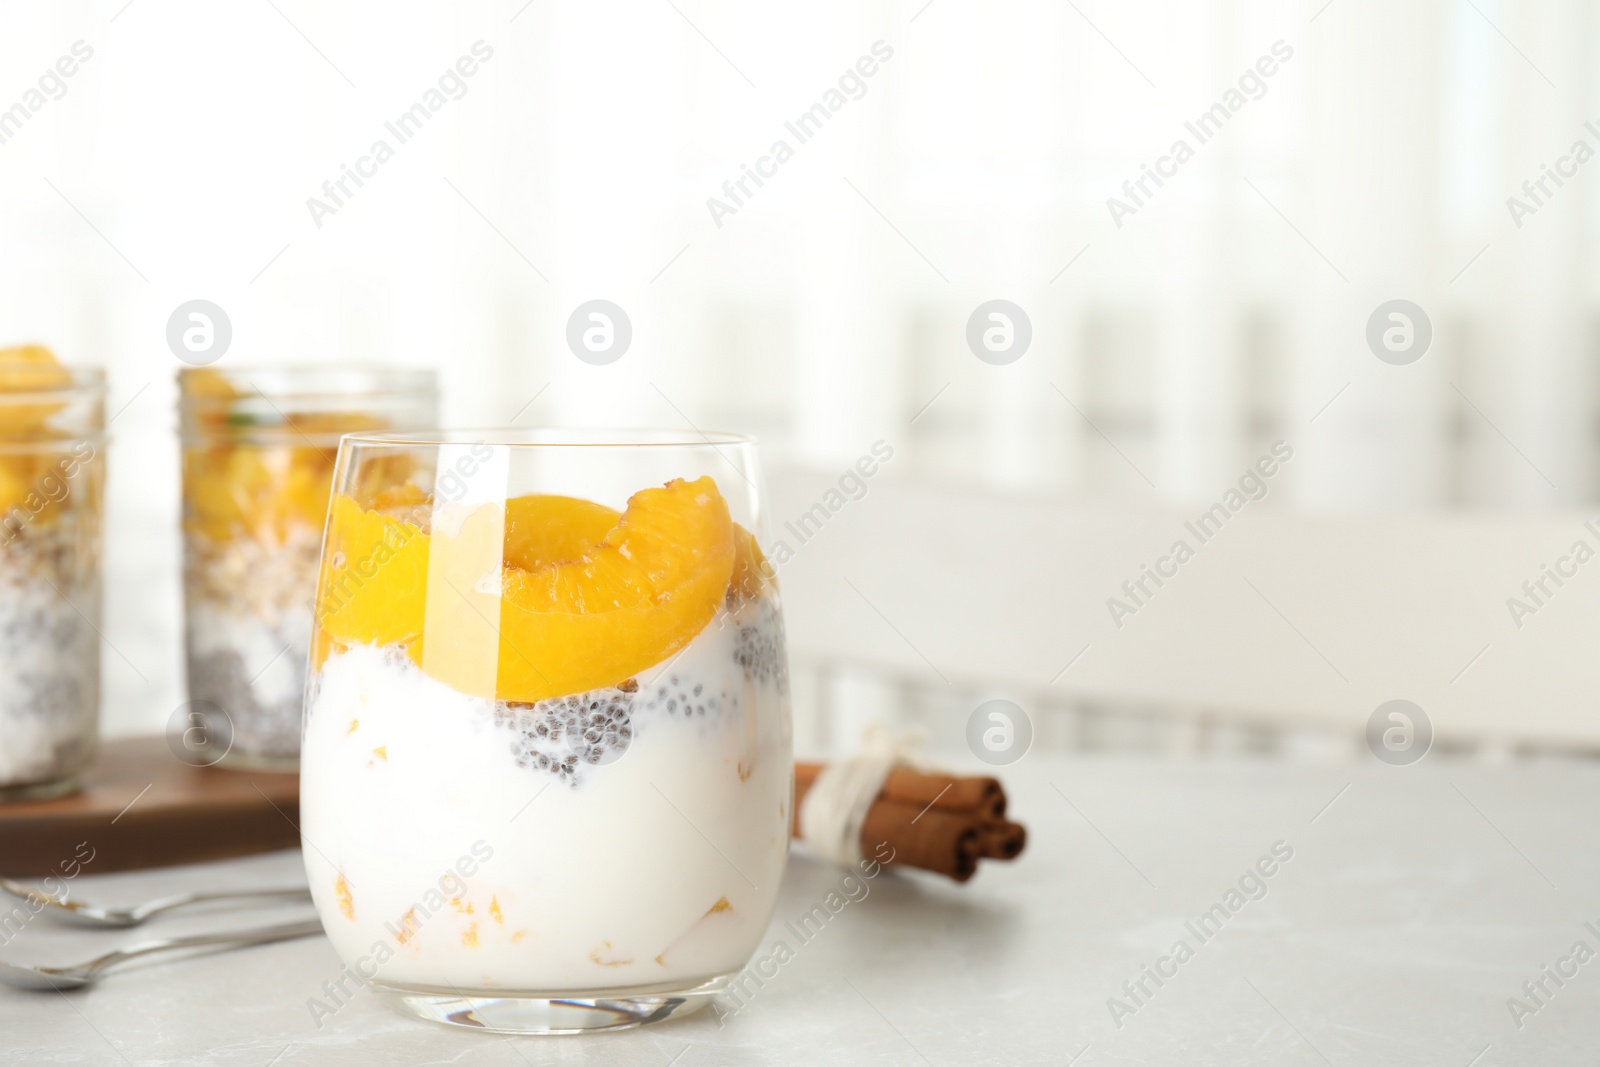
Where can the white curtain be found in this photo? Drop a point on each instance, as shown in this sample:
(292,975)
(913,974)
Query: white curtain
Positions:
(830,308)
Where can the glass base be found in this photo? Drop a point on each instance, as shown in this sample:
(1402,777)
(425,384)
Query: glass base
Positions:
(587,1011)
(56,787)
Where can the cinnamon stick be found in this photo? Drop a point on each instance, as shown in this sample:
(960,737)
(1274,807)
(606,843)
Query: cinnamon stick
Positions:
(1004,841)
(978,794)
(935,822)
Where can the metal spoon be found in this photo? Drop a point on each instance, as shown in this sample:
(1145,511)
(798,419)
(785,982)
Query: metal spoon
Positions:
(82,913)
(24,977)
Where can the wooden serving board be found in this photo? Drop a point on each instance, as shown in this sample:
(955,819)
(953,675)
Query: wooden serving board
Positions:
(141,806)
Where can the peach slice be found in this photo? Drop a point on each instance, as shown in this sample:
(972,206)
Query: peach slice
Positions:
(542,529)
(751,571)
(29,369)
(653,582)
(586,597)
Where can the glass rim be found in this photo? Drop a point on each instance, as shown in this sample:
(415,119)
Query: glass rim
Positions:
(291,381)
(57,445)
(550,437)
(86,381)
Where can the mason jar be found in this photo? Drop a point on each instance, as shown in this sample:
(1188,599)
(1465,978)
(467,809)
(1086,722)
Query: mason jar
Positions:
(258,455)
(52,426)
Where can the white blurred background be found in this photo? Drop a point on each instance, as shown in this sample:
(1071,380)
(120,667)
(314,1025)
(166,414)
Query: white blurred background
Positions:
(830,310)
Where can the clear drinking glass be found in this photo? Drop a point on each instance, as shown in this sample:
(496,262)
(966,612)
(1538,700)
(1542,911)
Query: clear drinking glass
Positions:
(547,768)
(52,477)
(258,453)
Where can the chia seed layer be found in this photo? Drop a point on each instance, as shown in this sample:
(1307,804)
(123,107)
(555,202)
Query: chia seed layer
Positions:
(49,655)
(249,621)
(564,736)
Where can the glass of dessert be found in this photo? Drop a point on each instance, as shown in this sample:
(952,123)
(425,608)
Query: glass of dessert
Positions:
(547,768)
(258,453)
(52,424)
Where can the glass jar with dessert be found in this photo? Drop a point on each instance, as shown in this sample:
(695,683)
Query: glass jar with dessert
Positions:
(546,777)
(258,455)
(52,425)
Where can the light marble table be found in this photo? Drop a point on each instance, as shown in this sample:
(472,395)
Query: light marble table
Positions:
(1416,902)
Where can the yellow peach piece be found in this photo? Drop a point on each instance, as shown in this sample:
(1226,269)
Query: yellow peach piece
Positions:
(620,604)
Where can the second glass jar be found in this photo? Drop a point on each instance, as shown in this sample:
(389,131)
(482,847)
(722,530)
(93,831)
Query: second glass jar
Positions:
(258,454)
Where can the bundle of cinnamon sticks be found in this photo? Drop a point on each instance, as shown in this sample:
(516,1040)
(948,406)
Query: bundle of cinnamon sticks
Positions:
(935,822)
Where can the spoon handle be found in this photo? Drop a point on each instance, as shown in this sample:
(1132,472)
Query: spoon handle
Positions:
(281,932)
(182,900)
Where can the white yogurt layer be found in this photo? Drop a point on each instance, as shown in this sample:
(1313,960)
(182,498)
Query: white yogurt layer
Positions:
(442,852)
